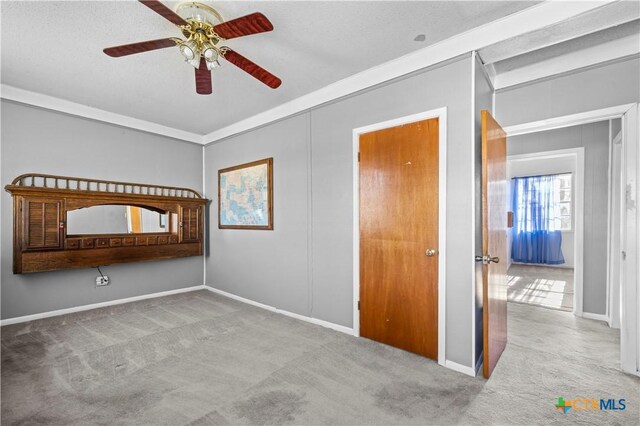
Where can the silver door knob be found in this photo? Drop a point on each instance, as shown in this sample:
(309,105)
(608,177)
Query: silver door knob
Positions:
(487,259)
(431,252)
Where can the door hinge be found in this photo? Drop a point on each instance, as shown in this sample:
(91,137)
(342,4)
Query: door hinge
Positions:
(358,157)
(358,305)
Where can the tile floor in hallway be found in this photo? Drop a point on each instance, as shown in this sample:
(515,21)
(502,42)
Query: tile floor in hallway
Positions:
(199,358)
(541,285)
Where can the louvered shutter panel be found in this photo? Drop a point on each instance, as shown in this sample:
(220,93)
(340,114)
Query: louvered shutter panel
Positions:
(42,224)
(190,230)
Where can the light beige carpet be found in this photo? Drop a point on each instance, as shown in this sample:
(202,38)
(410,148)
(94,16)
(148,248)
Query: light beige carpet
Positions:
(199,358)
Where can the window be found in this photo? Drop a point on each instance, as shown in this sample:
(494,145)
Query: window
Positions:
(541,212)
(566,199)
(543,202)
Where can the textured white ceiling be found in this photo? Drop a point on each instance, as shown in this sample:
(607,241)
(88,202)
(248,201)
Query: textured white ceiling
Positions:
(55,48)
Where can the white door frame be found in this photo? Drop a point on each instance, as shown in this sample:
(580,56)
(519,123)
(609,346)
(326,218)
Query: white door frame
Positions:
(577,155)
(441,115)
(630,242)
(630,226)
(613,228)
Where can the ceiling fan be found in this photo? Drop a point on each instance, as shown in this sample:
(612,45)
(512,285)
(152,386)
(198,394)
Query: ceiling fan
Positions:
(205,32)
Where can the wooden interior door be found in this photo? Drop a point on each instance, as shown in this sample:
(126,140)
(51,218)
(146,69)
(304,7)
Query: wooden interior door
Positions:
(135,219)
(494,241)
(399,236)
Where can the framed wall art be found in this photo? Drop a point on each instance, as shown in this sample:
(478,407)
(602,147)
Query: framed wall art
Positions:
(245,196)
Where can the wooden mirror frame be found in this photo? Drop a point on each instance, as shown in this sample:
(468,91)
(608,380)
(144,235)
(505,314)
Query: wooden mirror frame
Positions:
(41,203)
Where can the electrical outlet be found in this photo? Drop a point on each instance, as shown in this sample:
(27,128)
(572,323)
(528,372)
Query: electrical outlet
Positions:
(102,281)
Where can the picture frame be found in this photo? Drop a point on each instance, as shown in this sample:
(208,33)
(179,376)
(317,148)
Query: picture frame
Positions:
(245,196)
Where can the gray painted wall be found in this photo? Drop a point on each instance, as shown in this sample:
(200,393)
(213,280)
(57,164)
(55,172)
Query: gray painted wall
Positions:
(37,140)
(269,267)
(595,140)
(596,88)
(305,265)
(483,99)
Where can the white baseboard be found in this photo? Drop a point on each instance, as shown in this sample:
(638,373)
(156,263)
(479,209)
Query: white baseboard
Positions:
(448,364)
(327,324)
(42,315)
(469,371)
(597,317)
(479,363)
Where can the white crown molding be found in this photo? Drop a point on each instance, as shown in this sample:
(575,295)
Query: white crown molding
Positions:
(594,55)
(56,104)
(527,20)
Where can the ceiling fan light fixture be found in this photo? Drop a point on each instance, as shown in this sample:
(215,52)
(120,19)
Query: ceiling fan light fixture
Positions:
(195,62)
(189,50)
(213,64)
(209,51)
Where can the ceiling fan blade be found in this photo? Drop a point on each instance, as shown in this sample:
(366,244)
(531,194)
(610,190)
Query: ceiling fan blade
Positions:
(246,25)
(203,79)
(251,68)
(143,46)
(164,11)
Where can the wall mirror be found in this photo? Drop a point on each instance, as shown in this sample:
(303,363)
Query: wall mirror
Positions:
(119,219)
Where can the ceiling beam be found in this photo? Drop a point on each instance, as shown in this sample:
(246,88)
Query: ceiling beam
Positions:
(611,15)
(584,58)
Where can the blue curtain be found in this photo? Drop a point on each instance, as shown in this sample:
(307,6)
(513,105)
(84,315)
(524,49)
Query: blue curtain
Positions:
(536,220)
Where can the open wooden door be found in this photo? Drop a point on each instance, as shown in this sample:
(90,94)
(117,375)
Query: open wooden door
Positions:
(494,241)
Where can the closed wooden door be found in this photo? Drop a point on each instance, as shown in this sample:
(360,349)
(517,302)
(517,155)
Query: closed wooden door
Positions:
(494,241)
(399,237)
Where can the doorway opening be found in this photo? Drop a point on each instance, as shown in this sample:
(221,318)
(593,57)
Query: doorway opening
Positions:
(605,234)
(545,238)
